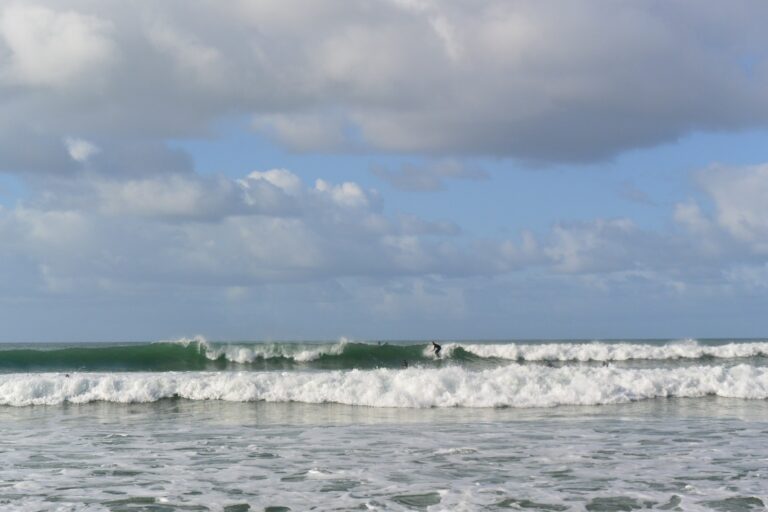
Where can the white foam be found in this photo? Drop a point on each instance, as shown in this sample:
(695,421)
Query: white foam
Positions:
(508,386)
(249,353)
(602,351)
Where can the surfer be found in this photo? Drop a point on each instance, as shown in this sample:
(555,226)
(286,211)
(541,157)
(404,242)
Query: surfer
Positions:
(405,363)
(436,348)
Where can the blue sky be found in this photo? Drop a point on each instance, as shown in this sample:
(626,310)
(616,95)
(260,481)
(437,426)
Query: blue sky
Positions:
(382,169)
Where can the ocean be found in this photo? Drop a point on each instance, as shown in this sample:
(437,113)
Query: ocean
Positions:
(505,425)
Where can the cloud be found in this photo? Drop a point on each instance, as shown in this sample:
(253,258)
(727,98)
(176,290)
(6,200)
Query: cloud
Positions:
(515,79)
(348,194)
(268,227)
(166,197)
(271,227)
(282,179)
(594,246)
(80,149)
(54,48)
(91,93)
(304,132)
(739,196)
(430,177)
(270,243)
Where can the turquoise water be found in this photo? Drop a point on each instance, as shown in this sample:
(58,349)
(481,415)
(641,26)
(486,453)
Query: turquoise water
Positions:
(198,354)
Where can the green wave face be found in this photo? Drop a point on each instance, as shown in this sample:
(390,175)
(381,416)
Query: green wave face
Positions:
(365,356)
(202,356)
(147,357)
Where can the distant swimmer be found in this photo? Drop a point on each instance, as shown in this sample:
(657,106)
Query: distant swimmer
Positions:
(437,348)
(405,363)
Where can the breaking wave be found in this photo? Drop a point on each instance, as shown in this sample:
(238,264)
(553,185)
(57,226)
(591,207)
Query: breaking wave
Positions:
(622,351)
(198,354)
(506,386)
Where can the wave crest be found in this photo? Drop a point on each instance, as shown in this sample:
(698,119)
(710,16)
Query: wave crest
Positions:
(603,351)
(508,386)
(248,353)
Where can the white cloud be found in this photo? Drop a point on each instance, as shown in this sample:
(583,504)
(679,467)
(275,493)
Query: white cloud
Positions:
(171,196)
(271,227)
(305,131)
(595,246)
(526,79)
(80,149)
(347,194)
(739,195)
(522,79)
(283,179)
(232,245)
(689,214)
(192,59)
(189,229)
(52,232)
(54,48)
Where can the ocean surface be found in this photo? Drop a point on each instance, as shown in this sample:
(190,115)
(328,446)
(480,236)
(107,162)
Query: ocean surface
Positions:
(506,425)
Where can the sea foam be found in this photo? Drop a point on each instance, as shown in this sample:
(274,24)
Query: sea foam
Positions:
(507,386)
(516,351)
(248,353)
(610,351)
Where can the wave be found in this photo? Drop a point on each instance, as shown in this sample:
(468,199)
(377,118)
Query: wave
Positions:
(248,353)
(195,354)
(622,351)
(198,354)
(507,386)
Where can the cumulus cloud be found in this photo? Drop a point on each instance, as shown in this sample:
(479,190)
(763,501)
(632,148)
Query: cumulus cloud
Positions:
(329,247)
(54,48)
(347,194)
(282,179)
(522,79)
(272,227)
(267,227)
(171,196)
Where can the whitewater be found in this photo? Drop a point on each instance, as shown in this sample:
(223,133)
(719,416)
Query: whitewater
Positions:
(509,386)
(195,424)
(384,374)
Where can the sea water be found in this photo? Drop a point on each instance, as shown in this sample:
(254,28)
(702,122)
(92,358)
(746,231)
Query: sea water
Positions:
(196,425)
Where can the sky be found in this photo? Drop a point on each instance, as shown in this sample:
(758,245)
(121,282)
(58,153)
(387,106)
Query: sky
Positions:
(383,169)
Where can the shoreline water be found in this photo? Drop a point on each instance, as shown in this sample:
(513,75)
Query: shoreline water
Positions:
(175,454)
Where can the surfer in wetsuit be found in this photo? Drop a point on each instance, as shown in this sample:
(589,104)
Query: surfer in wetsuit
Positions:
(436,348)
